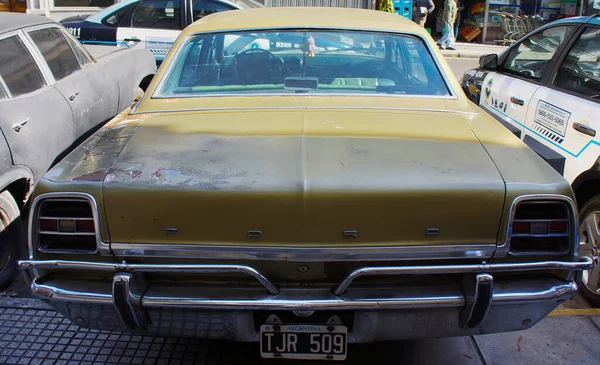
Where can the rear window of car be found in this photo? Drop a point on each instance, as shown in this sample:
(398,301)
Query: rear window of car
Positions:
(300,61)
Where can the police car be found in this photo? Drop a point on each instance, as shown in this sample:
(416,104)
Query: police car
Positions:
(546,90)
(152,24)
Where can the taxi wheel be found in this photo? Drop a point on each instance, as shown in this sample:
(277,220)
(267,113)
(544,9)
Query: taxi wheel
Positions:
(9,237)
(589,236)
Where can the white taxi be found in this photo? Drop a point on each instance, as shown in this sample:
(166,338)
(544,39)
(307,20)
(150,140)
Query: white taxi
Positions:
(546,90)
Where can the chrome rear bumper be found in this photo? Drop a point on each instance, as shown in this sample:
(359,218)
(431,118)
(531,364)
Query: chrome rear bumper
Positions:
(479,304)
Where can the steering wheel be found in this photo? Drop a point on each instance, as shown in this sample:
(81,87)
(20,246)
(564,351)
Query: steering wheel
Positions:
(275,63)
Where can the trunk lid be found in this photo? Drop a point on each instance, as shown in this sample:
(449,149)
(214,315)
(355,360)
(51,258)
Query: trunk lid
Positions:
(303,177)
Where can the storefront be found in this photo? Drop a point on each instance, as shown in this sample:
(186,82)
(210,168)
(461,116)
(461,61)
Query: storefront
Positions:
(60,9)
(505,21)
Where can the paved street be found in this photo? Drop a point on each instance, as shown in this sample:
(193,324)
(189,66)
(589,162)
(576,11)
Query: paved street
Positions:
(460,65)
(32,333)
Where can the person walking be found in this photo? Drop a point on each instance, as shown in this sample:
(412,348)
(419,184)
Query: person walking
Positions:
(447,40)
(421,9)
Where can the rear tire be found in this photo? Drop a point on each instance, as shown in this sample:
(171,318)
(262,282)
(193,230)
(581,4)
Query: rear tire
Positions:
(10,229)
(589,235)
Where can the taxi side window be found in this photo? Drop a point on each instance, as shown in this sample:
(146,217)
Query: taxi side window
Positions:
(161,14)
(531,57)
(203,8)
(114,19)
(56,51)
(17,67)
(580,71)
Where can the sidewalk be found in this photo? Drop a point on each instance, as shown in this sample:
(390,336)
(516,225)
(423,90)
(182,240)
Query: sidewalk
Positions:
(32,333)
(472,50)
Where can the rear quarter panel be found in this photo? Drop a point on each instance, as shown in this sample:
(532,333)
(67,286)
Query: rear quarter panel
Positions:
(127,67)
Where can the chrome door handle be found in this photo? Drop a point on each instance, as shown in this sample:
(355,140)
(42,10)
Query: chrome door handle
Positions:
(73,96)
(517,101)
(17,126)
(582,128)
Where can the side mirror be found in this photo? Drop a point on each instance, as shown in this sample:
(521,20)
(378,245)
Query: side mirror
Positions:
(489,62)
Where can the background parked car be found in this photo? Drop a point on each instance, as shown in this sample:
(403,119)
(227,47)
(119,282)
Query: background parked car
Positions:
(53,92)
(153,24)
(546,90)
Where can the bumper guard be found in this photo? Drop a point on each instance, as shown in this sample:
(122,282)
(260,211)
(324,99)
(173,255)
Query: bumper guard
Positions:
(130,295)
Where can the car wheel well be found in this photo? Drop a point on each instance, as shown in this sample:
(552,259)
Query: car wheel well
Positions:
(145,82)
(20,191)
(585,189)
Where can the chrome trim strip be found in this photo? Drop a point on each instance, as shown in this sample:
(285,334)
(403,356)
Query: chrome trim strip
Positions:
(124,267)
(586,264)
(53,293)
(268,108)
(335,303)
(288,300)
(67,218)
(550,293)
(101,247)
(59,233)
(305,254)
(317,94)
(504,249)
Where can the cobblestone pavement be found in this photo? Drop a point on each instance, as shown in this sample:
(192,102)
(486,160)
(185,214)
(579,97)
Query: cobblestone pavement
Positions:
(35,336)
(32,333)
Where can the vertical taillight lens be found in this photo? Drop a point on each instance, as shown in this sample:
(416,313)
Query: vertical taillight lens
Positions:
(541,227)
(66,225)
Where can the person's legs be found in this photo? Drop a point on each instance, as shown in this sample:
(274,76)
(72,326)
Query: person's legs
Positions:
(451,39)
(421,19)
(442,41)
(447,40)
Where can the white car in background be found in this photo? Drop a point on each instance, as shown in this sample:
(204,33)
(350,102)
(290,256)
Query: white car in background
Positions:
(151,24)
(546,90)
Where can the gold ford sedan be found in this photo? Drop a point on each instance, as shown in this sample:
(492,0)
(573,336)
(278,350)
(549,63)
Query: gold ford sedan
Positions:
(304,178)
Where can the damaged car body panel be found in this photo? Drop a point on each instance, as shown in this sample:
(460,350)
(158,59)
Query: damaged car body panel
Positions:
(327,191)
(53,94)
(295,178)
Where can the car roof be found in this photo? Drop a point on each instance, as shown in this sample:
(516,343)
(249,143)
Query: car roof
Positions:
(97,18)
(12,21)
(594,19)
(304,17)
(575,19)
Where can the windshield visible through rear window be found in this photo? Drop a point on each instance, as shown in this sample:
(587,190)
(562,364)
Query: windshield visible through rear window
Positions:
(300,61)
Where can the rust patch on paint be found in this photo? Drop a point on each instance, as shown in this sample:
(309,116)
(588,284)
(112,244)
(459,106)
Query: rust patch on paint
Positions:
(93,159)
(92,176)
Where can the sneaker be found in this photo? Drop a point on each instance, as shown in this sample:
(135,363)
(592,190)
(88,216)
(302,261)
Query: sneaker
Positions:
(451,48)
(440,46)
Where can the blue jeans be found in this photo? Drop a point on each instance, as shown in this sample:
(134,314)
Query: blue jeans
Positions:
(447,39)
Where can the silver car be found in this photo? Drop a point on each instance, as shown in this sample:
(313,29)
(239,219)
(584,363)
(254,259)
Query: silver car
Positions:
(53,93)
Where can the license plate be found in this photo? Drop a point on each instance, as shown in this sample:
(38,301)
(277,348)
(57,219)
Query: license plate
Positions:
(303,341)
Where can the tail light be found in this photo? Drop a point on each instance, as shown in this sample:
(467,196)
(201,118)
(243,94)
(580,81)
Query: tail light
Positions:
(542,227)
(65,225)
